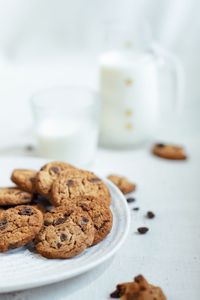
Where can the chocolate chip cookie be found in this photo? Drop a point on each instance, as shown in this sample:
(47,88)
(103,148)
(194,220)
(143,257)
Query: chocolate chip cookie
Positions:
(14,196)
(18,226)
(74,183)
(100,214)
(47,174)
(139,289)
(169,151)
(25,179)
(66,233)
(122,183)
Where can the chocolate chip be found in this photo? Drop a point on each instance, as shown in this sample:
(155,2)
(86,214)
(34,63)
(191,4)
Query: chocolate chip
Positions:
(94,180)
(46,223)
(130,200)
(26,211)
(142,230)
(3,224)
(63,237)
(70,183)
(160,145)
(55,170)
(84,221)
(59,245)
(117,293)
(150,215)
(136,208)
(59,221)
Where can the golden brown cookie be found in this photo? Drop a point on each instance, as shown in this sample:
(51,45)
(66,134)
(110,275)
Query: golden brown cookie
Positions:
(14,196)
(74,183)
(47,174)
(66,233)
(169,151)
(18,226)
(122,183)
(100,214)
(25,179)
(139,289)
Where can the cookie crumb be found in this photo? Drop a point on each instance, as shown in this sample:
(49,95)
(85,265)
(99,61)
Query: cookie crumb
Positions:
(142,230)
(150,215)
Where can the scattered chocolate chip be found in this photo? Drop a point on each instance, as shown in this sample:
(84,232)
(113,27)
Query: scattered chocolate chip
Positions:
(84,221)
(46,223)
(3,224)
(29,148)
(160,145)
(59,221)
(70,183)
(130,200)
(116,294)
(136,208)
(63,237)
(142,230)
(150,215)
(26,211)
(55,170)
(94,180)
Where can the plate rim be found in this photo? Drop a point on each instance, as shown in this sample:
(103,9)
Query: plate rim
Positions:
(55,278)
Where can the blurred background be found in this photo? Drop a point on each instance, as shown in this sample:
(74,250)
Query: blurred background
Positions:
(57,42)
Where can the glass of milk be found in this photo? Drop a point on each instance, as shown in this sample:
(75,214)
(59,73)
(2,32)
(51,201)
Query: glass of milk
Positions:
(66,124)
(131,75)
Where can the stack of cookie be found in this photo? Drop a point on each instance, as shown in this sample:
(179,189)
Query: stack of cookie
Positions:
(62,209)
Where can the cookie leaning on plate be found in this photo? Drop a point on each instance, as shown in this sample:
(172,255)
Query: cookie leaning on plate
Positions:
(14,196)
(65,233)
(47,174)
(122,183)
(25,179)
(18,226)
(74,183)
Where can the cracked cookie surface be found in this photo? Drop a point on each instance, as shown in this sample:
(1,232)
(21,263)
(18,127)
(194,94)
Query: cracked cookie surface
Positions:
(19,226)
(122,183)
(47,174)
(25,179)
(14,196)
(66,233)
(75,183)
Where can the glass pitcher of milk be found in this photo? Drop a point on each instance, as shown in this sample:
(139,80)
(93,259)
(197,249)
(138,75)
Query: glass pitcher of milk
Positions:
(129,89)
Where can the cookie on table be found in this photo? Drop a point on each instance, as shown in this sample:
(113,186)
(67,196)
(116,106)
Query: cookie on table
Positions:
(169,151)
(19,226)
(122,183)
(139,289)
(14,196)
(25,179)
(74,183)
(100,214)
(66,233)
(47,174)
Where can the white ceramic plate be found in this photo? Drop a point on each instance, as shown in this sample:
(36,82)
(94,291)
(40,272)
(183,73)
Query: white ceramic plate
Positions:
(22,269)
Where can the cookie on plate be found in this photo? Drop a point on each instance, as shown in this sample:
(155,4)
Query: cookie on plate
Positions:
(14,196)
(74,183)
(139,289)
(19,226)
(122,183)
(47,174)
(25,179)
(100,214)
(169,151)
(66,233)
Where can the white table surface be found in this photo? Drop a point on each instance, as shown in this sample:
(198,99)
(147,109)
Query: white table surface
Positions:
(169,254)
